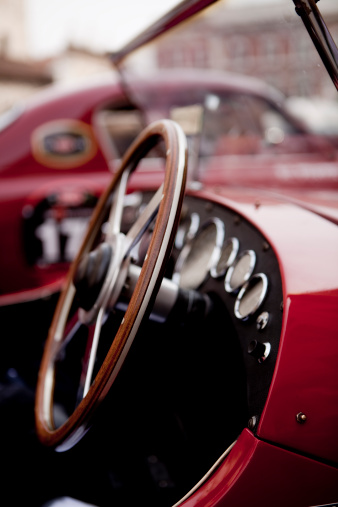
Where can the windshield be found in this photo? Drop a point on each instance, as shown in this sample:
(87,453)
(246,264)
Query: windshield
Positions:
(248,87)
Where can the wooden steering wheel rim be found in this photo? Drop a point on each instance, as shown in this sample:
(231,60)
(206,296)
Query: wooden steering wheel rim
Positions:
(74,428)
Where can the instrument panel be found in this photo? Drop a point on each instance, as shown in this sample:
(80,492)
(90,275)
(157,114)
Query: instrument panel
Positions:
(219,253)
(228,257)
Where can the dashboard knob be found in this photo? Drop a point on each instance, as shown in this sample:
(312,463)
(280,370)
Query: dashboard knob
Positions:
(259,350)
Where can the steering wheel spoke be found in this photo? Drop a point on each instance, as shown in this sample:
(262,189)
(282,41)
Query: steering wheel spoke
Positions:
(141,224)
(88,367)
(113,225)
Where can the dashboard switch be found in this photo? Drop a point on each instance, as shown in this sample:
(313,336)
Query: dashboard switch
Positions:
(259,350)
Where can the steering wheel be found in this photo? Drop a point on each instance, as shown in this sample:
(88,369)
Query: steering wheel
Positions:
(96,279)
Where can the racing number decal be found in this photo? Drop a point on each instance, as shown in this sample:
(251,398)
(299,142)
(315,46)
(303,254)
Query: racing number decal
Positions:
(60,241)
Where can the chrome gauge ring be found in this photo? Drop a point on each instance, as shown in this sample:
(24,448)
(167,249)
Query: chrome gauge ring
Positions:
(200,255)
(228,255)
(240,272)
(187,230)
(251,296)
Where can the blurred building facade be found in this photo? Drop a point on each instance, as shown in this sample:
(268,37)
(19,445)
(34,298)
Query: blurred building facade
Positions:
(268,42)
(20,76)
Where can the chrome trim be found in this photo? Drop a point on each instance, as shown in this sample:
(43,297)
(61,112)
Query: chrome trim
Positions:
(165,299)
(218,271)
(259,351)
(183,236)
(266,353)
(215,254)
(232,269)
(207,475)
(262,320)
(246,287)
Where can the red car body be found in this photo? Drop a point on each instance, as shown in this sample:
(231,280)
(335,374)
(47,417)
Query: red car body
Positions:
(288,453)
(30,175)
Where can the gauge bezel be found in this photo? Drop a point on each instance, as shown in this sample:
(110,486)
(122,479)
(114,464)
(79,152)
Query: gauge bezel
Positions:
(244,290)
(215,254)
(227,281)
(215,273)
(190,233)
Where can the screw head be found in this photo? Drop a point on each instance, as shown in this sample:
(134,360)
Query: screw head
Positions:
(301,418)
(262,320)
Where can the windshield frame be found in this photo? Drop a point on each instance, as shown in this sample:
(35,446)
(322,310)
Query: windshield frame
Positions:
(320,35)
(184,10)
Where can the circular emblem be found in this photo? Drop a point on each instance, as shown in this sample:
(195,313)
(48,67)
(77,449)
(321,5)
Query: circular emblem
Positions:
(63,144)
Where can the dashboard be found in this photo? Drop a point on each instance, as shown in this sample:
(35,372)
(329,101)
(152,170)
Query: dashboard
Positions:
(220,254)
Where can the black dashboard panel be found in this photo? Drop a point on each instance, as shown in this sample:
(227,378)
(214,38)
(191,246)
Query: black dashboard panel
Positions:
(258,334)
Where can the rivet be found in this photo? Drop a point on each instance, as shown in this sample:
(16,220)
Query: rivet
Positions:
(266,246)
(301,418)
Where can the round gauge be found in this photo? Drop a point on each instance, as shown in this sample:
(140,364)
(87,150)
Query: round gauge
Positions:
(199,255)
(186,230)
(240,271)
(228,255)
(251,296)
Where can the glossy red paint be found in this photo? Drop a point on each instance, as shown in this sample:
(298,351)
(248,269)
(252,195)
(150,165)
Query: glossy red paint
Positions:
(256,470)
(25,181)
(306,379)
(54,104)
(303,171)
(26,177)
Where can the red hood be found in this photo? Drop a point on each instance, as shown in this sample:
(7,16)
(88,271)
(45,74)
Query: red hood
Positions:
(322,202)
